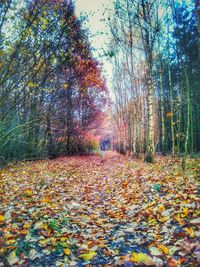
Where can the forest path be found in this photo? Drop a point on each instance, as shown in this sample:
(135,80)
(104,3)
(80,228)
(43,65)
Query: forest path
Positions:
(98,210)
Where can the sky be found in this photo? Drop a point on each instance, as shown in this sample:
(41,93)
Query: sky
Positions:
(95,10)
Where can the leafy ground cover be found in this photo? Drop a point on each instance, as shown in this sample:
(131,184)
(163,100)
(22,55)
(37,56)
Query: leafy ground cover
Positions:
(99,211)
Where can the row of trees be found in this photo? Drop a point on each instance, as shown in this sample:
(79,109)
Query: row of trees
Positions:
(51,87)
(156,83)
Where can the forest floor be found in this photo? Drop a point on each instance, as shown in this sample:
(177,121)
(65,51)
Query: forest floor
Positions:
(99,211)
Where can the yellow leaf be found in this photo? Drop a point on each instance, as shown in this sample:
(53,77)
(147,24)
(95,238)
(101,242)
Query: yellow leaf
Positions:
(164,219)
(163,248)
(141,258)
(161,208)
(88,256)
(2,218)
(152,222)
(65,85)
(67,251)
(43,242)
(10,242)
(152,203)
(178,218)
(46,200)
(28,192)
(107,191)
(30,84)
(100,221)
(44,226)
(53,205)
(190,231)
(26,225)
(184,212)
(45,21)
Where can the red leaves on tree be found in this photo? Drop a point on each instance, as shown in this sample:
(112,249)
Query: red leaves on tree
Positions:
(89,74)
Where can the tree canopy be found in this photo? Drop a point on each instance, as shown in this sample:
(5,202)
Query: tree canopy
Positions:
(51,87)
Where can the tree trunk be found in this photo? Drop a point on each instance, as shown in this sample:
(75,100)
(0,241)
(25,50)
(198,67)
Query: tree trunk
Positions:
(162,113)
(171,111)
(188,121)
(150,134)
(197,10)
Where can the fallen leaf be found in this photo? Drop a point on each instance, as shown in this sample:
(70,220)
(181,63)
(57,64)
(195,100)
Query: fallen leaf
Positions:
(141,258)
(163,248)
(190,231)
(88,256)
(67,251)
(46,200)
(28,193)
(2,218)
(12,258)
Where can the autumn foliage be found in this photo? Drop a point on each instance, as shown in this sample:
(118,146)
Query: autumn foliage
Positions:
(52,90)
(89,74)
(94,210)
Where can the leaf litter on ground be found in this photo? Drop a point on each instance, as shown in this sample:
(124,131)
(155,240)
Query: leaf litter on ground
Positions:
(99,211)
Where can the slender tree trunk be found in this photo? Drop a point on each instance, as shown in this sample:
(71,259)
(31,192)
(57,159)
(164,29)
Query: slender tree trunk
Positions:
(179,113)
(49,137)
(150,132)
(191,123)
(170,85)
(171,111)
(188,120)
(133,89)
(162,112)
(179,123)
(69,118)
(197,10)
(134,139)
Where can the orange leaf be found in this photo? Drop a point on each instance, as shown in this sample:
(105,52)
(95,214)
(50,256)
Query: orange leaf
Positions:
(168,114)
(46,200)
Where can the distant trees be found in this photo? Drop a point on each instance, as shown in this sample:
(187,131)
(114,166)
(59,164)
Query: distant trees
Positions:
(155,55)
(51,88)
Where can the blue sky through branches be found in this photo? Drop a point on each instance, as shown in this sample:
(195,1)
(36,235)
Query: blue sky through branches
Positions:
(99,34)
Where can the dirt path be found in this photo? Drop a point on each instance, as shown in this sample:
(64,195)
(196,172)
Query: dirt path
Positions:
(99,211)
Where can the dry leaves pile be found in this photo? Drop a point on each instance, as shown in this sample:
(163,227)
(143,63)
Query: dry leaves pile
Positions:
(99,211)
